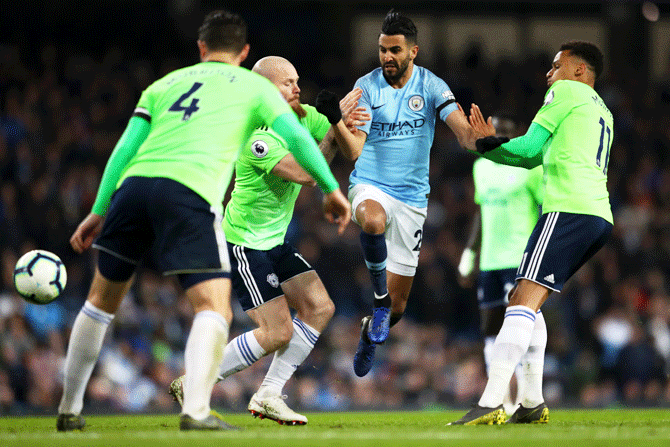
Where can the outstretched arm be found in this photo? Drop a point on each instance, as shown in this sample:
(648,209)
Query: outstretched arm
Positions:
(464,131)
(343,117)
(289,169)
(524,151)
(304,149)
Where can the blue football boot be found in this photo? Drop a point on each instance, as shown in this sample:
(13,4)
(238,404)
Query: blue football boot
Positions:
(380,324)
(365,354)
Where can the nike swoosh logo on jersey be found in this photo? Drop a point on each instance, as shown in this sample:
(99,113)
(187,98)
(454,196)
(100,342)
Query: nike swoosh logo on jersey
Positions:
(376,107)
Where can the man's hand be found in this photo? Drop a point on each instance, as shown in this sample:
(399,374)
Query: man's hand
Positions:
(352,115)
(469,129)
(328,105)
(483,128)
(337,209)
(356,118)
(485,131)
(88,229)
(350,101)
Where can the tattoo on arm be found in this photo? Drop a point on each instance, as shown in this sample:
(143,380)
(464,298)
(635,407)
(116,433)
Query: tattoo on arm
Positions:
(328,145)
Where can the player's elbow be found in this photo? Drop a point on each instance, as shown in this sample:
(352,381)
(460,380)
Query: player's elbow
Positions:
(306,180)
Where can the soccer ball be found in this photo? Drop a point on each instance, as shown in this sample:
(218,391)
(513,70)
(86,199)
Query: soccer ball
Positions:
(39,276)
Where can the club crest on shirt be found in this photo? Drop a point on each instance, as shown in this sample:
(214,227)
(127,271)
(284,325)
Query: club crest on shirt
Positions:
(259,148)
(273,280)
(416,103)
(549,98)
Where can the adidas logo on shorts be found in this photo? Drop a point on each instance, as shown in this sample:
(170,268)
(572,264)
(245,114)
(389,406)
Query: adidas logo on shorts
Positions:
(550,278)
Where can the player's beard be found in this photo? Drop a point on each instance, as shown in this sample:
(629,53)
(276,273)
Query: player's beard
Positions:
(298,109)
(400,71)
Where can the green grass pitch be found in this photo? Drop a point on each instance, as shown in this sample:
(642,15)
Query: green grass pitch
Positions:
(618,427)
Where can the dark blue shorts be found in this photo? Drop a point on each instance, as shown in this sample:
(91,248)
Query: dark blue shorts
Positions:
(160,216)
(559,245)
(257,275)
(493,287)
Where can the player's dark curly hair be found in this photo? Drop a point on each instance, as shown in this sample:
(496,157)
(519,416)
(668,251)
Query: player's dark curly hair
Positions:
(587,51)
(396,23)
(223,31)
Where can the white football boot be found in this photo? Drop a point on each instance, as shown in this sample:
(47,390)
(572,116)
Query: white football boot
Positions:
(274,407)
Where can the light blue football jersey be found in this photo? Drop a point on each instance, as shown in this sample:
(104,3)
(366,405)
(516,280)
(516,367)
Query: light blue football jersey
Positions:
(396,153)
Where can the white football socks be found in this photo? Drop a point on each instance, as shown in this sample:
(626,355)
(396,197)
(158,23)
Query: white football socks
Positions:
(520,382)
(204,350)
(533,365)
(287,359)
(489,341)
(240,353)
(88,333)
(511,344)
(509,403)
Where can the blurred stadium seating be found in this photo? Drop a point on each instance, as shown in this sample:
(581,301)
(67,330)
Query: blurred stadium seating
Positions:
(69,80)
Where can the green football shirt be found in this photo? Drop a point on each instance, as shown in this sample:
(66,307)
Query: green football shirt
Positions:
(261,205)
(508,197)
(200,117)
(576,156)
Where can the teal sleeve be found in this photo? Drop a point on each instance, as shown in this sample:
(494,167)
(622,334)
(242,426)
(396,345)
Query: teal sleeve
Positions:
(306,152)
(126,148)
(524,151)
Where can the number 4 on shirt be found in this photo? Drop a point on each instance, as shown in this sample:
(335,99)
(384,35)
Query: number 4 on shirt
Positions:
(604,129)
(192,108)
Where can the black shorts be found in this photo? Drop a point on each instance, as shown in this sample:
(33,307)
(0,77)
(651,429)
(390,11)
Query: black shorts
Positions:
(257,275)
(559,245)
(163,217)
(493,287)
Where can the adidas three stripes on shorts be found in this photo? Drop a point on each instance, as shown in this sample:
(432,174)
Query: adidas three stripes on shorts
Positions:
(559,245)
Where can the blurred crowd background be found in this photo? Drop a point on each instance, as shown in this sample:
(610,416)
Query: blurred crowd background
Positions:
(70,77)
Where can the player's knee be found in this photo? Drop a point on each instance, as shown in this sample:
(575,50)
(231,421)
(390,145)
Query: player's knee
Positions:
(282,335)
(372,221)
(326,310)
(371,217)
(528,294)
(316,313)
(375,224)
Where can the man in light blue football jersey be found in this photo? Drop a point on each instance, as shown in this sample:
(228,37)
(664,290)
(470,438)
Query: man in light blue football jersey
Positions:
(389,185)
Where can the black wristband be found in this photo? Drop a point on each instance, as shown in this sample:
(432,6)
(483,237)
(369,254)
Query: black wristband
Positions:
(489,143)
